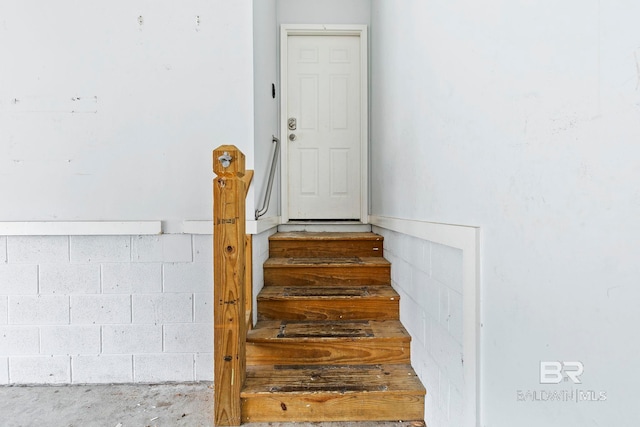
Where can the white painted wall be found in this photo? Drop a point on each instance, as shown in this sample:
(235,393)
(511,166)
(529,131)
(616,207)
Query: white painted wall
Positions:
(265,73)
(523,118)
(110,110)
(324,11)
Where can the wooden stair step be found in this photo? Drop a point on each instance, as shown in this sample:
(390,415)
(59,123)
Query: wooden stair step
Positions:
(328,244)
(328,303)
(328,342)
(328,345)
(309,271)
(332,393)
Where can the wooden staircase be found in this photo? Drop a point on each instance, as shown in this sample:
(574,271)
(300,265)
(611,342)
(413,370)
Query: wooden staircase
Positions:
(328,344)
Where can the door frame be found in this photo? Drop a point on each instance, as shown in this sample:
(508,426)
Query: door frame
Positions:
(360,31)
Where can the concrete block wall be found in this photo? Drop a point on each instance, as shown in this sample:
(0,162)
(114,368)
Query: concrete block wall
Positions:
(428,277)
(106,309)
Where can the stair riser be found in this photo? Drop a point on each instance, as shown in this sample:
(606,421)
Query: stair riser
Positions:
(327,276)
(370,406)
(290,249)
(343,309)
(338,353)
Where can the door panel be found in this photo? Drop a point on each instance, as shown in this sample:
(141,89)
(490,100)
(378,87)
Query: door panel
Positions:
(309,178)
(323,95)
(339,172)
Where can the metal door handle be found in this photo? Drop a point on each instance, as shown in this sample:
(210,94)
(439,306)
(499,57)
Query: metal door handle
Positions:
(292,137)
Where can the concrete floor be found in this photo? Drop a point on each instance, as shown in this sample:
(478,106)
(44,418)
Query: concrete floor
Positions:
(125,406)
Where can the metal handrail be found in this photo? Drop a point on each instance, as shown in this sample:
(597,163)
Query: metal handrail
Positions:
(267,195)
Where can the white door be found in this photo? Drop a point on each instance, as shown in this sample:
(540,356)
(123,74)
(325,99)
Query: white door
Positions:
(324,127)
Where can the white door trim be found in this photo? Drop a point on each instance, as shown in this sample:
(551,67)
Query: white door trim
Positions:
(360,31)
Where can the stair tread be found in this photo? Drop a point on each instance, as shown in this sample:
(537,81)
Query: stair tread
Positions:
(297,235)
(331,379)
(320,262)
(275,292)
(327,331)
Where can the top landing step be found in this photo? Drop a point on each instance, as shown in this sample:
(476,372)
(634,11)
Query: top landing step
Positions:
(325,236)
(325,226)
(327,244)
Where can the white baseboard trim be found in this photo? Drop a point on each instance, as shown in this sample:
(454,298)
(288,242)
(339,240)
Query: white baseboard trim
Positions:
(79,228)
(467,239)
(262,225)
(251,226)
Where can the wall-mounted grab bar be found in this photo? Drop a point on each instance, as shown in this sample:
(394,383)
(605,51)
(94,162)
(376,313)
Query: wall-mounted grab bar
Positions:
(272,171)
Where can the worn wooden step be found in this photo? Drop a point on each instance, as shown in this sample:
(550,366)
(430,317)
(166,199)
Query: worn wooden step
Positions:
(339,271)
(328,342)
(332,393)
(328,244)
(328,303)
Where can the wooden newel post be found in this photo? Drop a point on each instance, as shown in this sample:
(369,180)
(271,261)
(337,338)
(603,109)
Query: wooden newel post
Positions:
(229,192)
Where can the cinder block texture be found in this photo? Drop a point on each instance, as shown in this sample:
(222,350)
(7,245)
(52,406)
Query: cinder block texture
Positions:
(419,281)
(70,279)
(4,310)
(37,249)
(84,249)
(100,309)
(454,319)
(60,340)
(164,248)
(40,369)
(162,308)
(127,278)
(4,370)
(204,367)
(188,337)
(418,253)
(3,250)
(105,309)
(131,339)
(39,310)
(193,277)
(456,407)
(203,308)
(429,298)
(446,265)
(19,340)
(429,277)
(448,355)
(16,279)
(203,248)
(163,367)
(104,368)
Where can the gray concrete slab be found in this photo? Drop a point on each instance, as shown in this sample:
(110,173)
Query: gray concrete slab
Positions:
(125,406)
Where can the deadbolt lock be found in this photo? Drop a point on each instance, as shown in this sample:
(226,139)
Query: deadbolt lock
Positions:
(292,123)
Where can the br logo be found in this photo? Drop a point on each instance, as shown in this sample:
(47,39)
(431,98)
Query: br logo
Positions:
(555,371)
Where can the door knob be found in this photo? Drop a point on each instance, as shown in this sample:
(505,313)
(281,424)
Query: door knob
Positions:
(292,137)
